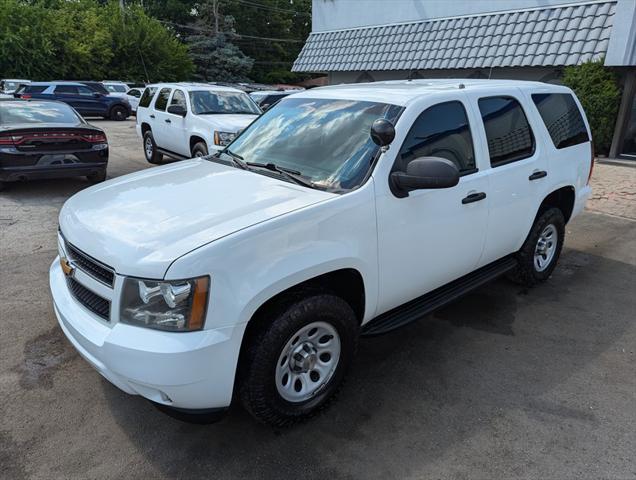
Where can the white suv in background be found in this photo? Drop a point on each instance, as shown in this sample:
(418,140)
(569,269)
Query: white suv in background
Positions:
(342,211)
(184,120)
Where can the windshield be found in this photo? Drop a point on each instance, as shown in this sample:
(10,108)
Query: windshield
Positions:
(11,85)
(36,112)
(328,141)
(206,102)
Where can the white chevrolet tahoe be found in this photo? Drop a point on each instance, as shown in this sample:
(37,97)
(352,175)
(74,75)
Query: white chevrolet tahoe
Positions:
(185,120)
(342,211)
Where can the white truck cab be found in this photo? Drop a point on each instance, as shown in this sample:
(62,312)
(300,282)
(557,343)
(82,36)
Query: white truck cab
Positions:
(185,120)
(342,211)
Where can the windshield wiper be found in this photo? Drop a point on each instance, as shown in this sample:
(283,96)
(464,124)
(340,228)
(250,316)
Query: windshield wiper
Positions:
(236,158)
(292,175)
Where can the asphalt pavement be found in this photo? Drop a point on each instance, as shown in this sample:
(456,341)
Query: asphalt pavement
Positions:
(507,382)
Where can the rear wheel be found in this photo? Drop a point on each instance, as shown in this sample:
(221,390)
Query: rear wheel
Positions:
(538,256)
(97,177)
(118,113)
(297,359)
(200,149)
(150,149)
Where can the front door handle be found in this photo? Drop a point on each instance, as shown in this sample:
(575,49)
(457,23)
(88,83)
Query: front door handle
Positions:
(538,175)
(152,116)
(473,197)
(168,120)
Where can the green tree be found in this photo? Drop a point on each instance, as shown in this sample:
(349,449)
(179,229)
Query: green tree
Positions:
(214,55)
(597,89)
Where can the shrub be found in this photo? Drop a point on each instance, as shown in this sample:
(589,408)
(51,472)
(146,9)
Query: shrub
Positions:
(597,89)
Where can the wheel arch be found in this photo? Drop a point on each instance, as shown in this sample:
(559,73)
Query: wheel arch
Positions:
(194,139)
(145,127)
(561,198)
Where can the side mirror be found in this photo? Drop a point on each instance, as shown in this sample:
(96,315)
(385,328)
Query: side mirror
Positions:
(382,132)
(97,94)
(177,110)
(424,173)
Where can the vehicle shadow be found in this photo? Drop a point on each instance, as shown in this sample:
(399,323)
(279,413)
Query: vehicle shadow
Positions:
(493,370)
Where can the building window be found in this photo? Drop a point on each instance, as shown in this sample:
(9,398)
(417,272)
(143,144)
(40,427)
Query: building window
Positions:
(507,130)
(629,142)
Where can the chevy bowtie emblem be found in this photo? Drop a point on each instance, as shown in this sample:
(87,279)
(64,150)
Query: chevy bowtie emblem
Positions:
(67,268)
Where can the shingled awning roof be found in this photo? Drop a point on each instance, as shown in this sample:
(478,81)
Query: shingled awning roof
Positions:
(550,36)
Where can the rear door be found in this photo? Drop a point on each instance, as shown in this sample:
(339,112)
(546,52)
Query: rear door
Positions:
(517,169)
(158,117)
(70,94)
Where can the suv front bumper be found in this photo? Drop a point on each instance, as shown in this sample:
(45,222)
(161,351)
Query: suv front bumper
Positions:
(193,370)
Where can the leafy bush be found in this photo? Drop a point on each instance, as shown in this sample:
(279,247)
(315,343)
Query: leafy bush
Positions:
(597,89)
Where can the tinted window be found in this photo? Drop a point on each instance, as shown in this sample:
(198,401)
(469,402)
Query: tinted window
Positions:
(36,112)
(162,99)
(178,98)
(146,98)
(34,89)
(440,131)
(507,130)
(134,93)
(86,91)
(562,118)
(66,90)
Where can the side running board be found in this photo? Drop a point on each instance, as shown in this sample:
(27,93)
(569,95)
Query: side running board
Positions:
(421,306)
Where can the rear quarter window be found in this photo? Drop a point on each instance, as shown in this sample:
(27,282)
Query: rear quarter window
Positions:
(146,98)
(562,118)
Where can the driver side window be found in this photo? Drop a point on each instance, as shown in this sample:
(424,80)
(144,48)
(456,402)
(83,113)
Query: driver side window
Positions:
(440,131)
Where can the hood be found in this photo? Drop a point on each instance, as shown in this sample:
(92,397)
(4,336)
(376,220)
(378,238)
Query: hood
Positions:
(140,223)
(228,122)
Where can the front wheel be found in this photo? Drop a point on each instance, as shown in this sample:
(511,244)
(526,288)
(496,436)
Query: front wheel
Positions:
(538,256)
(297,359)
(199,150)
(97,177)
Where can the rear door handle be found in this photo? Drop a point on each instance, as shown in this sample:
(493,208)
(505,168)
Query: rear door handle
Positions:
(473,197)
(168,120)
(538,175)
(152,116)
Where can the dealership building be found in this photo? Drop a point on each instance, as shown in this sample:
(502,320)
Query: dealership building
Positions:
(373,40)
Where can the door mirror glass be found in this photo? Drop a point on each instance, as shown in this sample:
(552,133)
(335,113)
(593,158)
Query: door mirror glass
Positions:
(425,173)
(382,132)
(177,110)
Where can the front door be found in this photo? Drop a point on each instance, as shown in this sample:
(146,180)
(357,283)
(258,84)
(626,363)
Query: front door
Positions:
(432,237)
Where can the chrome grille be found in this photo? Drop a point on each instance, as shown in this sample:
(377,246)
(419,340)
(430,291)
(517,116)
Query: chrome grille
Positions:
(93,302)
(95,269)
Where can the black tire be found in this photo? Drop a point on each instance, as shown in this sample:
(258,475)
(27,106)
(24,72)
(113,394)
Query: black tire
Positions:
(257,388)
(527,271)
(97,177)
(150,149)
(200,149)
(118,113)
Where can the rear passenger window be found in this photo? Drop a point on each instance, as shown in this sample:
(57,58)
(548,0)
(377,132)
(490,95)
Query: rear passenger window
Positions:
(66,90)
(562,118)
(146,98)
(162,99)
(507,130)
(440,131)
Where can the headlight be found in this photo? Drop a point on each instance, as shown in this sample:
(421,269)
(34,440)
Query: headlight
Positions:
(178,306)
(223,138)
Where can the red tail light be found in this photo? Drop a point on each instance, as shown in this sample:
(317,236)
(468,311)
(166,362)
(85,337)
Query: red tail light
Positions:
(591,163)
(26,96)
(95,138)
(8,140)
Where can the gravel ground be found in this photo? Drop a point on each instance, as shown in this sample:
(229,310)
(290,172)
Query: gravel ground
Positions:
(504,383)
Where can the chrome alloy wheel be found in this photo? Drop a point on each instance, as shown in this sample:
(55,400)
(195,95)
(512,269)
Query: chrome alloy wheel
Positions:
(148,147)
(545,248)
(307,362)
